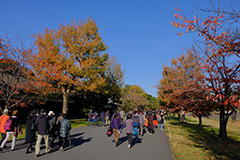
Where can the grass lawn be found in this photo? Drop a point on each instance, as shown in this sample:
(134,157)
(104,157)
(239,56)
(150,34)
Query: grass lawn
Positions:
(75,123)
(188,141)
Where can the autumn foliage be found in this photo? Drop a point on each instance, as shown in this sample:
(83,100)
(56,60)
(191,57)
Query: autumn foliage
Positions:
(14,86)
(220,57)
(70,58)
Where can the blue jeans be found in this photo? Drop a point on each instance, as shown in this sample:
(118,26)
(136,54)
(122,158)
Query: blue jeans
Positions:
(161,127)
(89,120)
(3,137)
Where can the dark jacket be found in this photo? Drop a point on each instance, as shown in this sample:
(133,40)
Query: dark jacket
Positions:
(65,128)
(42,124)
(150,122)
(52,123)
(30,130)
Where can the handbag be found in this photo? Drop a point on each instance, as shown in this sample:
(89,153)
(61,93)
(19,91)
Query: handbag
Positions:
(109,132)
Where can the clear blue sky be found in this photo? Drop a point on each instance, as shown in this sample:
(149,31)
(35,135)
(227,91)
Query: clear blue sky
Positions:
(138,32)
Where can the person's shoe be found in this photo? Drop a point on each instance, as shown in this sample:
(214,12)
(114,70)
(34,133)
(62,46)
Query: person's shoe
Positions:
(1,150)
(49,152)
(27,152)
(37,155)
(150,134)
(129,146)
(13,149)
(116,144)
(61,149)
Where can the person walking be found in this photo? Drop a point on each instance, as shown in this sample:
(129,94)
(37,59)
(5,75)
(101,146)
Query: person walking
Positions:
(3,120)
(90,115)
(129,123)
(102,116)
(141,123)
(162,120)
(42,126)
(122,113)
(107,115)
(95,119)
(150,123)
(53,128)
(14,128)
(64,133)
(30,131)
(116,125)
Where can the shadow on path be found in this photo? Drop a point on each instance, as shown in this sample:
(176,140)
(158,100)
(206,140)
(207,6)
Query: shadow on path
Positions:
(77,142)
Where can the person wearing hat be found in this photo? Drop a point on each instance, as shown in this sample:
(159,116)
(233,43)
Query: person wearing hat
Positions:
(3,120)
(14,131)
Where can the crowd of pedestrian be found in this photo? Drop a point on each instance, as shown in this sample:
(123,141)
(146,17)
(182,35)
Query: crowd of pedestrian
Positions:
(134,123)
(38,126)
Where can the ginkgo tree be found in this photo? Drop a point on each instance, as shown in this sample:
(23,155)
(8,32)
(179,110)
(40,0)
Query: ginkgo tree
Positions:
(71,57)
(221,58)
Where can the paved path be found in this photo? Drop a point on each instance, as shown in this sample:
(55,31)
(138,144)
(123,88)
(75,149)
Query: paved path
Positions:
(90,143)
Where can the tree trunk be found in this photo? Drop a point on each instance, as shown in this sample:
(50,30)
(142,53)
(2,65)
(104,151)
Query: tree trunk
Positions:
(223,124)
(200,120)
(234,115)
(65,92)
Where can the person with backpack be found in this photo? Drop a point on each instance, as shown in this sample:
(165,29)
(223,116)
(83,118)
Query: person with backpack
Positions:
(12,127)
(64,133)
(116,125)
(42,126)
(3,120)
(30,130)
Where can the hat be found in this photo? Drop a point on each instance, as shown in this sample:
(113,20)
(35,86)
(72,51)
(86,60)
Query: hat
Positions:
(5,111)
(50,113)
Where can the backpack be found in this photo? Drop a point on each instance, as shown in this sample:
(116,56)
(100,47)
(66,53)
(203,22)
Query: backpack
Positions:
(134,131)
(8,124)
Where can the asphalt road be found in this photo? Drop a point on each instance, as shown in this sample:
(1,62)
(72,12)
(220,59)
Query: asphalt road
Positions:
(91,143)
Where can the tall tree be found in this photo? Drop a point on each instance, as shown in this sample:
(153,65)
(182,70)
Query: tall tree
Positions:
(182,85)
(70,58)
(134,98)
(221,33)
(114,80)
